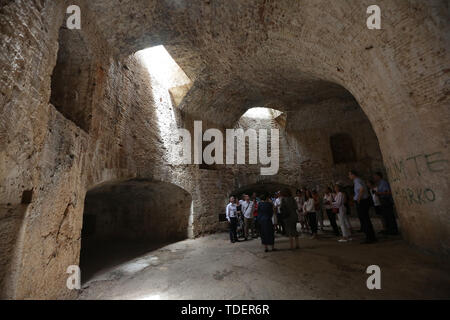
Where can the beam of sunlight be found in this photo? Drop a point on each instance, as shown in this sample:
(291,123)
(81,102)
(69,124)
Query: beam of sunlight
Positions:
(169,85)
(262,113)
(165,74)
(162,67)
(150,297)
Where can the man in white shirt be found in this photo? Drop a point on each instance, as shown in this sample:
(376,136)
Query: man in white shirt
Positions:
(231,215)
(247,212)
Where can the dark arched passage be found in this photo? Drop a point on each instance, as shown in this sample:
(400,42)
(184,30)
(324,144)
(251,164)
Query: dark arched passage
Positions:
(123,220)
(262,187)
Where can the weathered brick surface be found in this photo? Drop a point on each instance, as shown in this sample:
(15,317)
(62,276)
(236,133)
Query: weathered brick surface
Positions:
(297,55)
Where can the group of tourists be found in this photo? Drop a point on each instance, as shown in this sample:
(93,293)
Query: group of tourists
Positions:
(253,216)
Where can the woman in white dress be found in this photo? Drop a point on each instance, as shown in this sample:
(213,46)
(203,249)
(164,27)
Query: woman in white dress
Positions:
(339,204)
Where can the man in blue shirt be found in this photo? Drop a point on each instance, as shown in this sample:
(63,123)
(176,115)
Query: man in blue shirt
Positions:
(361,198)
(387,203)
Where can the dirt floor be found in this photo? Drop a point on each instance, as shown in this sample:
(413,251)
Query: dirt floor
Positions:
(212,268)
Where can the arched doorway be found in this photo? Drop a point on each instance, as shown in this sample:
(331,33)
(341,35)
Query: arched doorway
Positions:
(123,220)
(262,187)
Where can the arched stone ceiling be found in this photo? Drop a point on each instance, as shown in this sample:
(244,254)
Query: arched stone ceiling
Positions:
(242,54)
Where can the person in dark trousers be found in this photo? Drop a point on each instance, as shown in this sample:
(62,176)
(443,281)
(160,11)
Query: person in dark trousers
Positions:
(373,190)
(240,217)
(386,203)
(300,199)
(231,214)
(288,210)
(361,198)
(318,208)
(280,220)
(247,213)
(267,231)
(255,201)
(327,203)
(310,210)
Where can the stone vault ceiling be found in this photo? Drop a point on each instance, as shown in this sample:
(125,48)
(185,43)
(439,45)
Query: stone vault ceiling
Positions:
(241,54)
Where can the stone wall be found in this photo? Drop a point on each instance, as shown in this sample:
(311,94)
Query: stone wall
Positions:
(126,134)
(305,152)
(137,210)
(398,76)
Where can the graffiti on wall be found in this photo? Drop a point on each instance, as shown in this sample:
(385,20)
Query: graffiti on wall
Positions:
(415,196)
(401,171)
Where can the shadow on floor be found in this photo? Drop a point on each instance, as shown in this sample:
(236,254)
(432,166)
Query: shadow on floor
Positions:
(99,256)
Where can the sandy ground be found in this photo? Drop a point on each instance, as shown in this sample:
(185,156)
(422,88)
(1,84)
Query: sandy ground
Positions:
(212,268)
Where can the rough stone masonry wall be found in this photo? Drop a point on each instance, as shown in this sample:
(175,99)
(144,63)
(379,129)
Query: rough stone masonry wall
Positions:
(35,140)
(45,152)
(305,156)
(137,210)
(398,76)
(130,135)
(305,151)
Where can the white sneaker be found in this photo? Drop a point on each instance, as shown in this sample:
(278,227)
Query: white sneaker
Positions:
(342,240)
